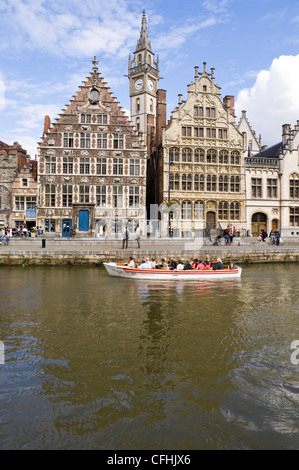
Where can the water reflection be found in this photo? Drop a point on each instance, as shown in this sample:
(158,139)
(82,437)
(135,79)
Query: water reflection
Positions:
(115,363)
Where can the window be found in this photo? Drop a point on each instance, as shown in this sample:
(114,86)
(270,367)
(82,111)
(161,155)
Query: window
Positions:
(85,140)
(67,195)
(235,158)
(50,165)
(19,203)
(83,194)
(133,196)
(171,181)
(117,200)
(186,131)
(196,183)
(186,210)
(198,111)
(271,187)
(118,166)
(256,187)
(137,105)
(84,166)
(223,156)
(222,211)
(151,106)
(235,184)
(134,166)
(50,192)
(211,132)
(199,156)
(101,166)
(294,187)
(138,124)
(211,156)
(198,132)
(184,182)
(211,183)
(173,154)
(187,155)
(211,112)
(24,182)
(198,210)
(176,181)
(49,225)
(223,183)
(85,118)
(67,166)
(222,133)
(30,203)
(68,139)
(294,216)
(101,196)
(234,211)
(101,141)
(118,141)
(201,183)
(102,119)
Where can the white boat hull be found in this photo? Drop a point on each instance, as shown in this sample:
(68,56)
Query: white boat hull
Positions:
(160,274)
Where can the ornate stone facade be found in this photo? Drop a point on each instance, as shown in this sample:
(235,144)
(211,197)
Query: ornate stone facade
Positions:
(201,160)
(92,166)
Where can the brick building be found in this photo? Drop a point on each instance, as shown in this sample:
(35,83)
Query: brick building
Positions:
(92,166)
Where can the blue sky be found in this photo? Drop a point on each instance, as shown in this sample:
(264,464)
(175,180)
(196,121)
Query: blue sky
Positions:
(46,49)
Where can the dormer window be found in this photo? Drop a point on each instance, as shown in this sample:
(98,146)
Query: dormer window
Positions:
(24,182)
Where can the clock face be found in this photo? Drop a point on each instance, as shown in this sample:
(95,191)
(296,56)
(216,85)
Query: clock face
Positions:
(150,85)
(138,84)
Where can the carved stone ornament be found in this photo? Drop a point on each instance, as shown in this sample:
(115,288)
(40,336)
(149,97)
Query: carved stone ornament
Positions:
(79,107)
(51,152)
(135,144)
(84,152)
(68,128)
(211,205)
(51,141)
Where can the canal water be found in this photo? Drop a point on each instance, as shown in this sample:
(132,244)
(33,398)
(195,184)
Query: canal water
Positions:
(93,362)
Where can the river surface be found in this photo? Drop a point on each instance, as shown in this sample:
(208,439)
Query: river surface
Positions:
(93,362)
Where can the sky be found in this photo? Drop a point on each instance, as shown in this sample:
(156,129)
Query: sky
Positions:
(47,48)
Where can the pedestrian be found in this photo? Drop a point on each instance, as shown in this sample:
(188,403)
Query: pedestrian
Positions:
(137,234)
(125,238)
(277,237)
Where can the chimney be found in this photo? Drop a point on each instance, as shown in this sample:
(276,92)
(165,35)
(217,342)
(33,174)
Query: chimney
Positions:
(47,124)
(286,131)
(160,115)
(229,102)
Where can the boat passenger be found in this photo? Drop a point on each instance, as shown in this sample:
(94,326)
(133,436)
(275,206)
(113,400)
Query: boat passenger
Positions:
(180,266)
(206,266)
(208,261)
(131,263)
(194,263)
(187,266)
(173,265)
(218,265)
(232,265)
(144,264)
(200,265)
(154,264)
(163,264)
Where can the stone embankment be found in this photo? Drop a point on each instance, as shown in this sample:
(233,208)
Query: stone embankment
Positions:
(93,251)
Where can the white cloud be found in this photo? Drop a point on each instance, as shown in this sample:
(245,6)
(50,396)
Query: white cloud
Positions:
(273,100)
(2,96)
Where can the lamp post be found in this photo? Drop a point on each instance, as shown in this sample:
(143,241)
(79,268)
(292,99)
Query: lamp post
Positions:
(169,221)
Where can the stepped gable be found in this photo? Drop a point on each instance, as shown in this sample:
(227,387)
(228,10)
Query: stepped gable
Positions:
(93,97)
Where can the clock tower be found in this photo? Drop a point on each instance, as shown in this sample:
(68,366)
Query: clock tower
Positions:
(143,73)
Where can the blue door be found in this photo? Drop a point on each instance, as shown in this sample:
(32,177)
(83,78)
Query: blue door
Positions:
(66,227)
(83,221)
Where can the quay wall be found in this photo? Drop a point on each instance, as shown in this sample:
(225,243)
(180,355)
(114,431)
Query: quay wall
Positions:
(52,258)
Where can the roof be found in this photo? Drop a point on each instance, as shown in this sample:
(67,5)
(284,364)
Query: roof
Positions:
(269,152)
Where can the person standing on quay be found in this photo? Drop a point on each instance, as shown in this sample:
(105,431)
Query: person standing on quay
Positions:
(125,238)
(137,232)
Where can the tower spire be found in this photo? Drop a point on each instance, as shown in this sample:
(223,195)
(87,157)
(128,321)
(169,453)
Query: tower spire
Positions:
(143,42)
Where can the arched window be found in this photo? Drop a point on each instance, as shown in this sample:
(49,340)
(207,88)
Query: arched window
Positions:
(223,156)
(234,212)
(137,105)
(235,158)
(198,210)
(139,59)
(189,182)
(211,182)
(201,183)
(184,182)
(211,156)
(177,182)
(222,211)
(186,210)
(223,183)
(173,154)
(196,182)
(171,181)
(199,156)
(187,155)
(235,184)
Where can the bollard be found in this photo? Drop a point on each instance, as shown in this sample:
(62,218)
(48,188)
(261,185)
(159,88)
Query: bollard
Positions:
(43,243)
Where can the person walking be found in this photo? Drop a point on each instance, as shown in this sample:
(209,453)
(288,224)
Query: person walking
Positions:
(125,238)
(137,233)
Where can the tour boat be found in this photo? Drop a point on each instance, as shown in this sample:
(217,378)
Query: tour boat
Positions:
(119,270)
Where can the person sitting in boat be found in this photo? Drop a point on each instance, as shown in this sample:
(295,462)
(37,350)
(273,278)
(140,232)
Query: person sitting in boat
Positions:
(144,264)
(180,266)
(206,266)
(162,264)
(232,265)
(194,263)
(200,265)
(208,261)
(173,265)
(131,263)
(218,265)
(187,266)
